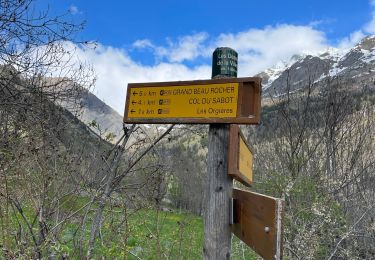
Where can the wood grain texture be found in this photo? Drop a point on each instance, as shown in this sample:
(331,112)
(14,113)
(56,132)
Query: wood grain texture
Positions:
(217,232)
(257,222)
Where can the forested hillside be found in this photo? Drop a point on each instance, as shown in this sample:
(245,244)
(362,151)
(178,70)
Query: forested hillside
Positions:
(67,192)
(314,148)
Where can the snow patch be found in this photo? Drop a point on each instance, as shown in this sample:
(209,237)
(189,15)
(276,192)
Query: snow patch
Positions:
(368,56)
(369,59)
(275,72)
(332,53)
(323,76)
(335,71)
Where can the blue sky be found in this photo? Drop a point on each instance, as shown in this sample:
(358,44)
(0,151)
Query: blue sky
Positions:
(142,41)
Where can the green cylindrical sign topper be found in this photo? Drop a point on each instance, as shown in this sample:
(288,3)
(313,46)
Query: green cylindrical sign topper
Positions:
(224,63)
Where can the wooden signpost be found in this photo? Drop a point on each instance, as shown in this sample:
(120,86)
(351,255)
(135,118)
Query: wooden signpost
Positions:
(223,100)
(240,157)
(232,100)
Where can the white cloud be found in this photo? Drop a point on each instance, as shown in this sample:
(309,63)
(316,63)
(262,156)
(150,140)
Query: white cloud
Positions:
(74,10)
(141,44)
(261,48)
(369,28)
(115,69)
(186,48)
(351,40)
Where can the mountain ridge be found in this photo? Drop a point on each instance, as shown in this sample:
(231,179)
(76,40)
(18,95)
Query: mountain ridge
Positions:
(355,63)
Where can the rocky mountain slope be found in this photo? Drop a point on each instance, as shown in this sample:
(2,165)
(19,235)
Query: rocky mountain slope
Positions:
(107,119)
(356,64)
(89,109)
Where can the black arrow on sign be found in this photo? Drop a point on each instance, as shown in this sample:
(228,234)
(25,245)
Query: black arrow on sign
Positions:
(135,93)
(132,111)
(134,102)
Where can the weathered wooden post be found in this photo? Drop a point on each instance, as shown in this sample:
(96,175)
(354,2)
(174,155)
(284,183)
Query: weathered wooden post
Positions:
(217,232)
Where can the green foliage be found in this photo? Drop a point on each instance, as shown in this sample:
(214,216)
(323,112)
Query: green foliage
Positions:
(146,234)
(73,202)
(175,234)
(93,124)
(272,184)
(110,137)
(241,251)
(313,219)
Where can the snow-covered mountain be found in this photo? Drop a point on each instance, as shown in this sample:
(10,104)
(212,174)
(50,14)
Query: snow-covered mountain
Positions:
(357,63)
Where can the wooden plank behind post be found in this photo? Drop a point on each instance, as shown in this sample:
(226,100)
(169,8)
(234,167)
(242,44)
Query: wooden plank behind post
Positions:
(217,231)
(258,222)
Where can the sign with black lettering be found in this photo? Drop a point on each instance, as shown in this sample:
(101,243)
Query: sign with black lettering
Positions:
(235,100)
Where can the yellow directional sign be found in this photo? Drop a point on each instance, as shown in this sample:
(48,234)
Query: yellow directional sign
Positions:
(211,100)
(245,162)
(240,157)
(235,100)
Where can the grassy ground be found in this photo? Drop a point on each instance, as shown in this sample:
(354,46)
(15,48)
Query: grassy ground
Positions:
(142,234)
(170,235)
